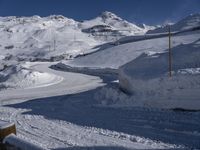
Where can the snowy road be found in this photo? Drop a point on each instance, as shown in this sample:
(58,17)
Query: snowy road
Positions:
(65,83)
(64,116)
(56,132)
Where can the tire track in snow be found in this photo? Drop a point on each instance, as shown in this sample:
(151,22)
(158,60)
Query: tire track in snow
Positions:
(40,131)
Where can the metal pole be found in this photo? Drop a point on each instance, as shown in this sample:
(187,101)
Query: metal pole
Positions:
(170,53)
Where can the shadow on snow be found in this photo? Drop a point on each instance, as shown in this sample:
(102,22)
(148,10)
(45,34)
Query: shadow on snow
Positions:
(162,125)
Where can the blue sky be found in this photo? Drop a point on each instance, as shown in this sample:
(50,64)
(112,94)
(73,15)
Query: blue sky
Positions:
(141,11)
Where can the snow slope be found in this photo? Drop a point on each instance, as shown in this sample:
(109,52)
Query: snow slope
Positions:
(147,78)
(188,22)
(117,55)
(116,23)
(37,38)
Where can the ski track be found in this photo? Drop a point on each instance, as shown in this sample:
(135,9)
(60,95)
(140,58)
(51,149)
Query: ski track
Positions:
(132,129)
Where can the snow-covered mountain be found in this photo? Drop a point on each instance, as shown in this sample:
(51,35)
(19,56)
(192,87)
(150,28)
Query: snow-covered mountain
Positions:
(49,36)
(57,37)
(114,22)
(188,22)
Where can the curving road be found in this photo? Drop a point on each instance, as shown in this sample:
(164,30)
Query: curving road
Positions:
(44,119)
(65,83)
(63,114)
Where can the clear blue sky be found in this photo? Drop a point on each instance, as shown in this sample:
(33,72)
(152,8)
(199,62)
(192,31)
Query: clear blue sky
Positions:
(140,11)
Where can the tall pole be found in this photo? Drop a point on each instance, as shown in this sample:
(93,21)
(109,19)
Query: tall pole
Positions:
(54,44)
(170,53)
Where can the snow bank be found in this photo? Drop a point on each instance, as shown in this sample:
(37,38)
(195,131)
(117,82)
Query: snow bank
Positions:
(87,70)
(17,76)
(21,143)
(147,78)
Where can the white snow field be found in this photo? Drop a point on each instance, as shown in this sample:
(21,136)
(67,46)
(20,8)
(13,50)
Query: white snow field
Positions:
(94,85)
(116,56)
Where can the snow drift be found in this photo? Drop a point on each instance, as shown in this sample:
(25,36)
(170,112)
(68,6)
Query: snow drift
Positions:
(147,78)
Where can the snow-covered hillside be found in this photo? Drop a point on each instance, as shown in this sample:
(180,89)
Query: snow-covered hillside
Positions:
(188,22)
(36,37)
(117,55)
(57,37)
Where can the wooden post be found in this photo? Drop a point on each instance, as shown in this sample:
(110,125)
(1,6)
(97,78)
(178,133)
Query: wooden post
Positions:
(170,53)
(54,44)
(6,129)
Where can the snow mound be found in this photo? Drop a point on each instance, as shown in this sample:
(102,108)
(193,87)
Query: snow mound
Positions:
(16,76)
(147,78)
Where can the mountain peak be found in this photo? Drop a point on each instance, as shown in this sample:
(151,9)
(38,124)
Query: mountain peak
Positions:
(107,14)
